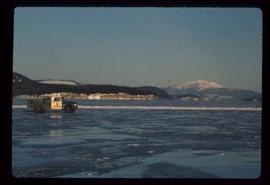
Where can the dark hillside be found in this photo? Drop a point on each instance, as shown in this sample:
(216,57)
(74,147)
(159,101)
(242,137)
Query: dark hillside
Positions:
(25,86)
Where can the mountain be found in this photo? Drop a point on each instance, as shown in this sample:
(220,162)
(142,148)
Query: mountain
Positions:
(23,85)
(199,85)
(203,89)
(253,98)
(229,93)
(19,78)
(192,87)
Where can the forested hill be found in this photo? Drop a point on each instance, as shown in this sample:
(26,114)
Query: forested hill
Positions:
(23,85)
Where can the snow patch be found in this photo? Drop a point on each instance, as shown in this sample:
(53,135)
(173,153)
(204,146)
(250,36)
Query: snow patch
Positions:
(63,82)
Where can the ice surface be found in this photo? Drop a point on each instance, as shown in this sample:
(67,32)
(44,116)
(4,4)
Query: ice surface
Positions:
(137,143)
(161,108)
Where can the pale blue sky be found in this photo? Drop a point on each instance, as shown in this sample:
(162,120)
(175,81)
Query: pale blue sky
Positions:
(140,46)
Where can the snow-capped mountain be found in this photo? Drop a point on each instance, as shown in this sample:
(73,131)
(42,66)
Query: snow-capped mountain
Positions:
(192,87)
(209,90)
(198,85)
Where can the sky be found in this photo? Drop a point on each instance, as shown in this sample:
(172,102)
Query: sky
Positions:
(140,46)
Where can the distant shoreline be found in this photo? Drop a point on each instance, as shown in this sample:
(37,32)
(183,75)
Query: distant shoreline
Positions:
(96,96)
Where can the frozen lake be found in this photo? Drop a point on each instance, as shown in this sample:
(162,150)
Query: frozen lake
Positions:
(139,143)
